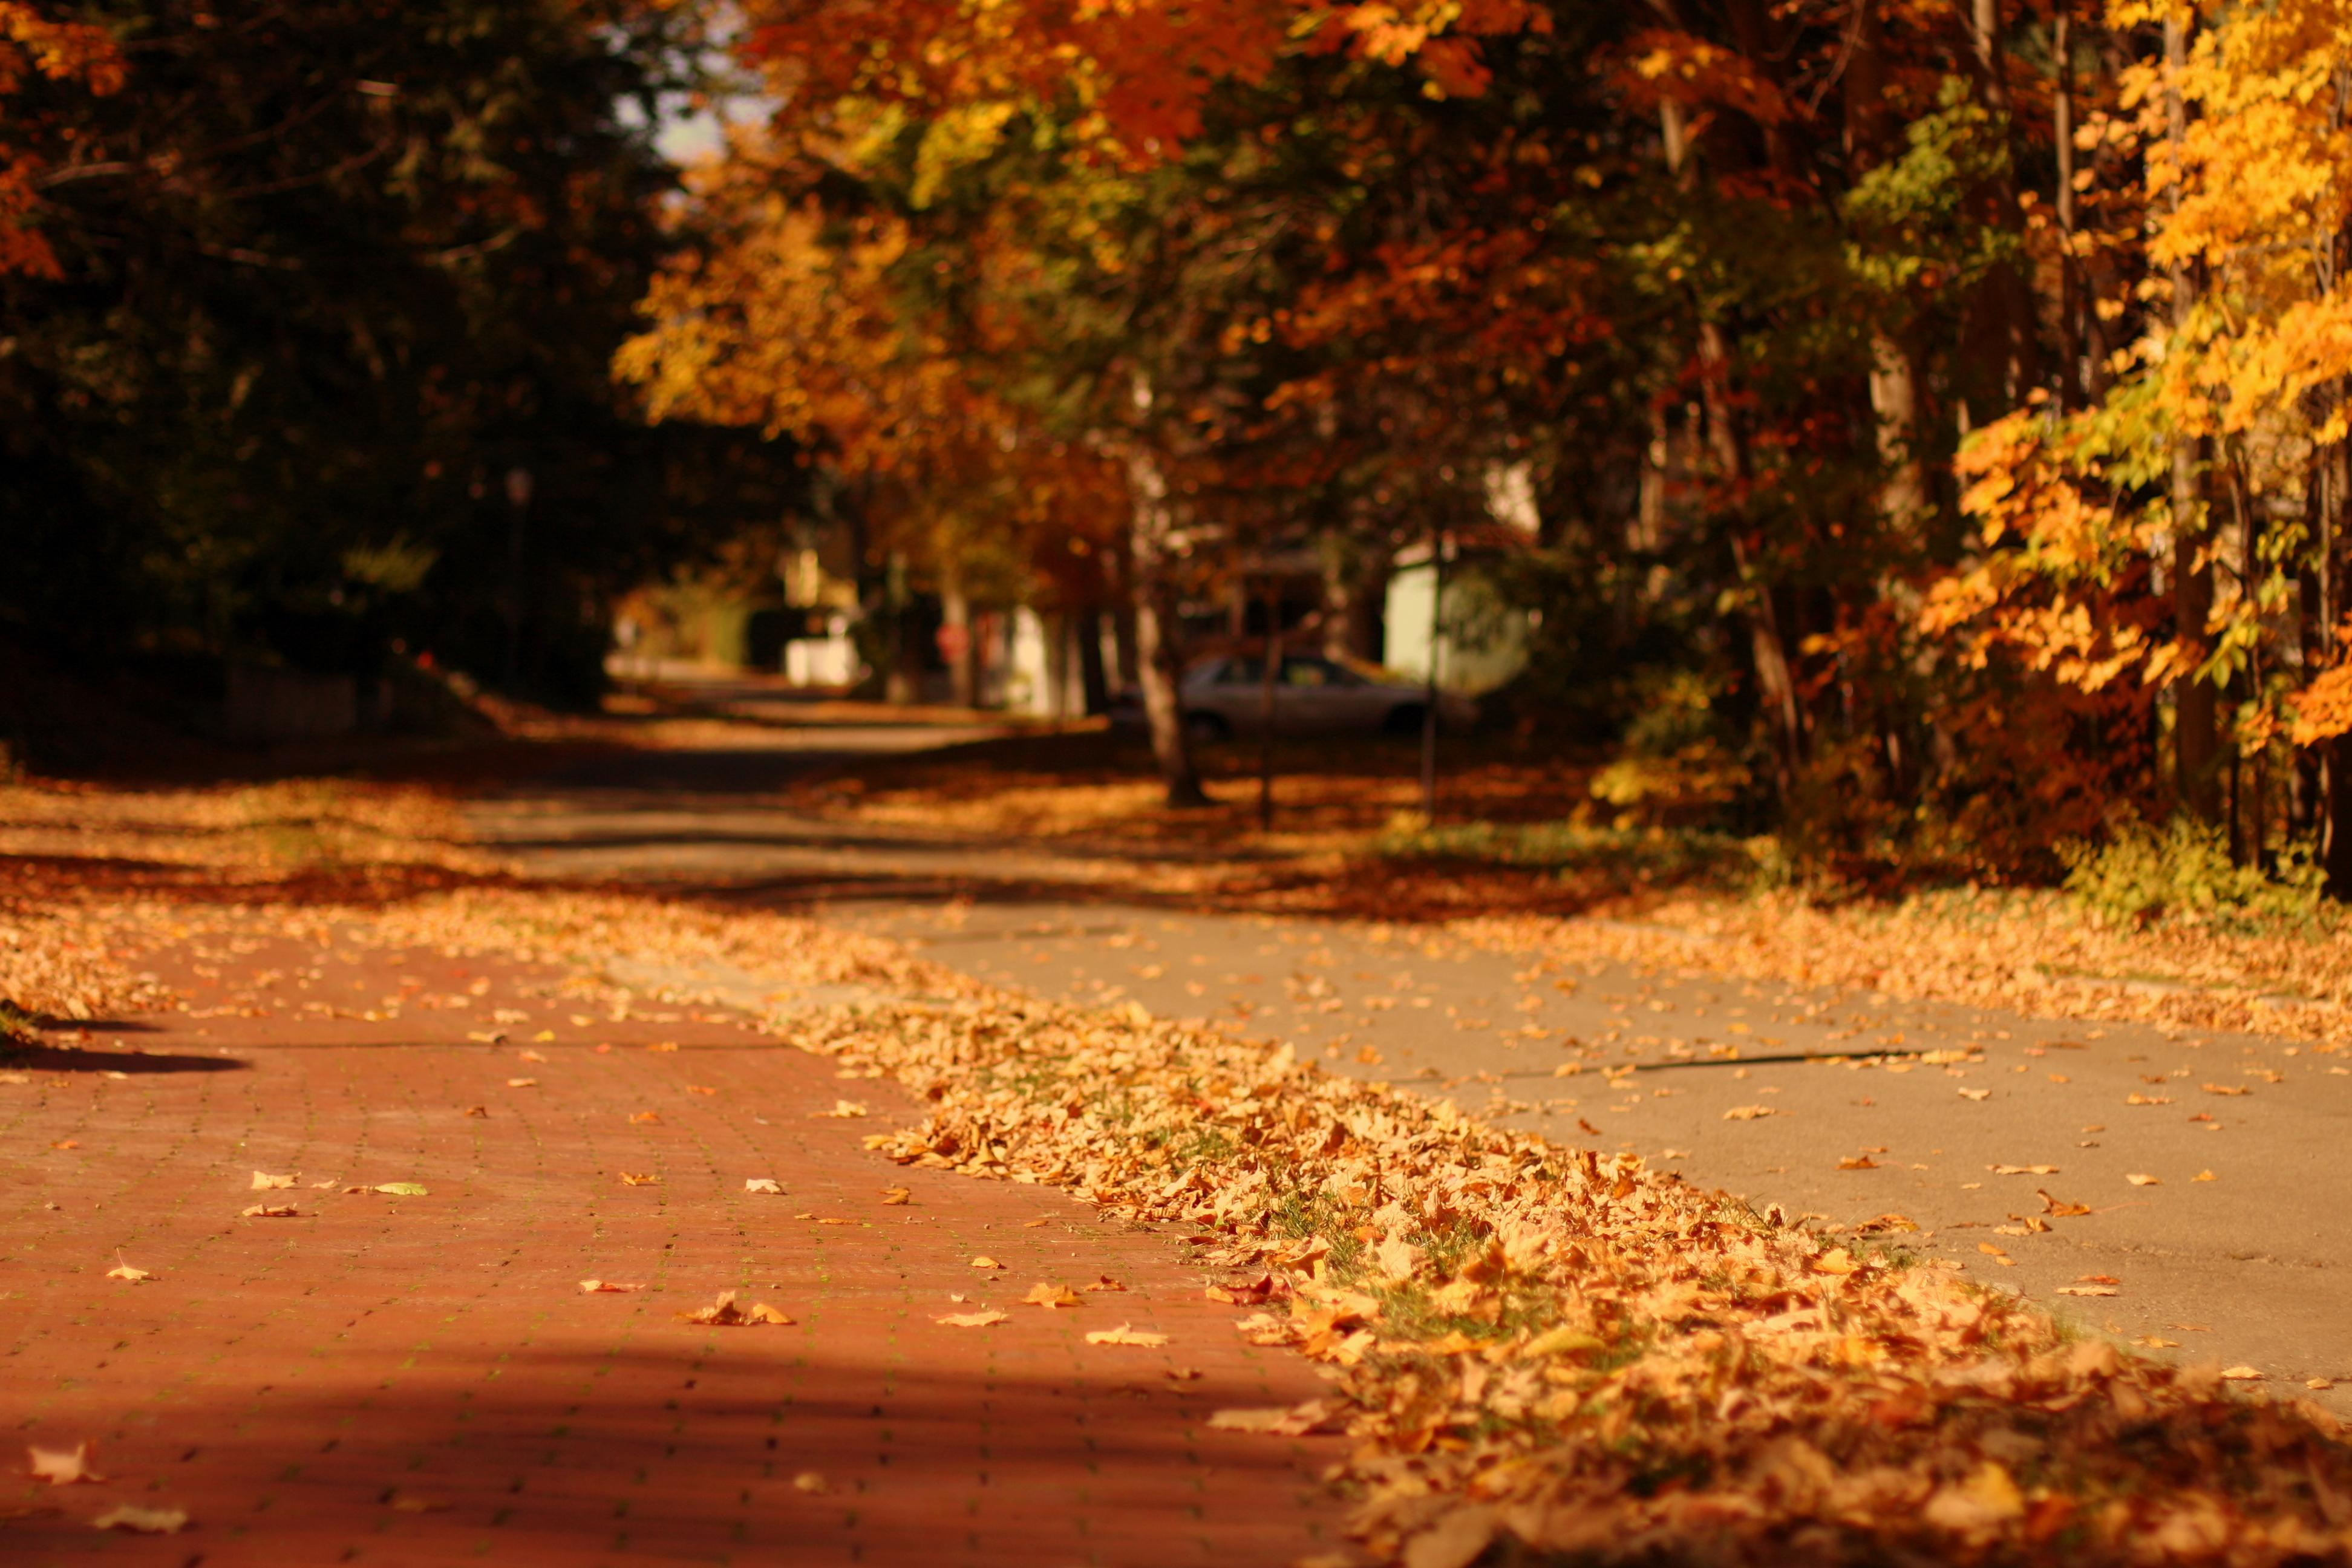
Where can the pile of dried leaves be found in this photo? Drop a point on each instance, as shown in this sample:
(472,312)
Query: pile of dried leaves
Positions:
(1589,1359)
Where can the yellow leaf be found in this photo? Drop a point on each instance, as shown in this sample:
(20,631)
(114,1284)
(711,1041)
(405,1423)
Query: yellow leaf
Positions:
(1050,1296)
(971,1319)
(1123,1335)
(62,1467)
(142,1520)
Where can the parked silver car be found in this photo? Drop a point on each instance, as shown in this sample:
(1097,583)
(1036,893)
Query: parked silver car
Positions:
(1313,695)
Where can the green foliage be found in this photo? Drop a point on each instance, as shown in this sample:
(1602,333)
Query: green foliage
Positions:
(2183,872)
(1632,855)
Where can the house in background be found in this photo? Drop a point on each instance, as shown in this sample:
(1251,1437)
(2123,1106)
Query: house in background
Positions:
(1481,641)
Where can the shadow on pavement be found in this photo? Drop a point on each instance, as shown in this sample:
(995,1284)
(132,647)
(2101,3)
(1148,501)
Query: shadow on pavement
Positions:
(753,1449)
(130,1064)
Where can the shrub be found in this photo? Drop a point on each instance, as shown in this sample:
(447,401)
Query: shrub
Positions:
(2183,872)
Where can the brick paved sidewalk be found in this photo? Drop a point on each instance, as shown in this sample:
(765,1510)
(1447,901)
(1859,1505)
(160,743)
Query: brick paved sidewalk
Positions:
(406,1380)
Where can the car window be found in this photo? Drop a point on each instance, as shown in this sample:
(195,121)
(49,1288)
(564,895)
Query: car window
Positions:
(1241,672)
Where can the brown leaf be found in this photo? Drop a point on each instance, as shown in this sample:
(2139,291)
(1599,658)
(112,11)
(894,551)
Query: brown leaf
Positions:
(1747,1112)
(639,1179)
(2243,1374)
(122,1270)
(1249,1293)
(2089,1291)
(480,1111)
(2138,1099)
(269,1211)
(898,1196)
(699,1088)
(2225,1088)
(812,1482)
(263,1181)
(645,1118)
(67,1144)
(1857,1163)
(1049,1296)
(724,1313)
(986,1262)
(2022,1169)
(842,1108)
(1104,1283)
(2062,1209)
(767,1185)
(523,1083)
(606,1287)
(2141,1179)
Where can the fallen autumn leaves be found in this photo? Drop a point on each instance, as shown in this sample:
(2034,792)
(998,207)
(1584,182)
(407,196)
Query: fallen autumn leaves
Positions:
(1534,1344)
(1594,1359)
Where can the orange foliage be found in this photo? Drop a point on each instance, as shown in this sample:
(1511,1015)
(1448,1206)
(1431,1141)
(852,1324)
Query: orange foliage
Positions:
(1141,69)
(31,45)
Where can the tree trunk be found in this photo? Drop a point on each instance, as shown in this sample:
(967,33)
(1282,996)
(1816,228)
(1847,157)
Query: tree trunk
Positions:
(2071,380)
(955,642)
(2332,475)
(1728,444)
(2196,737)
(1091,675)
(1159,653)
(1894,373)
(1776,683)
(2008,295)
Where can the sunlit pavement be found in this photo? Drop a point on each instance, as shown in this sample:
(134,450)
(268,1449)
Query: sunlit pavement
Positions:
(418,1377)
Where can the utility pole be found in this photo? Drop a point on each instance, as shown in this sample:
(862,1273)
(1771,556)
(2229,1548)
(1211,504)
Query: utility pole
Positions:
(1429,695)
(1268,702)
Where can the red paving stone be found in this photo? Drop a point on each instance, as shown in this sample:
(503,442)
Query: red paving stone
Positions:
(417,1380)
